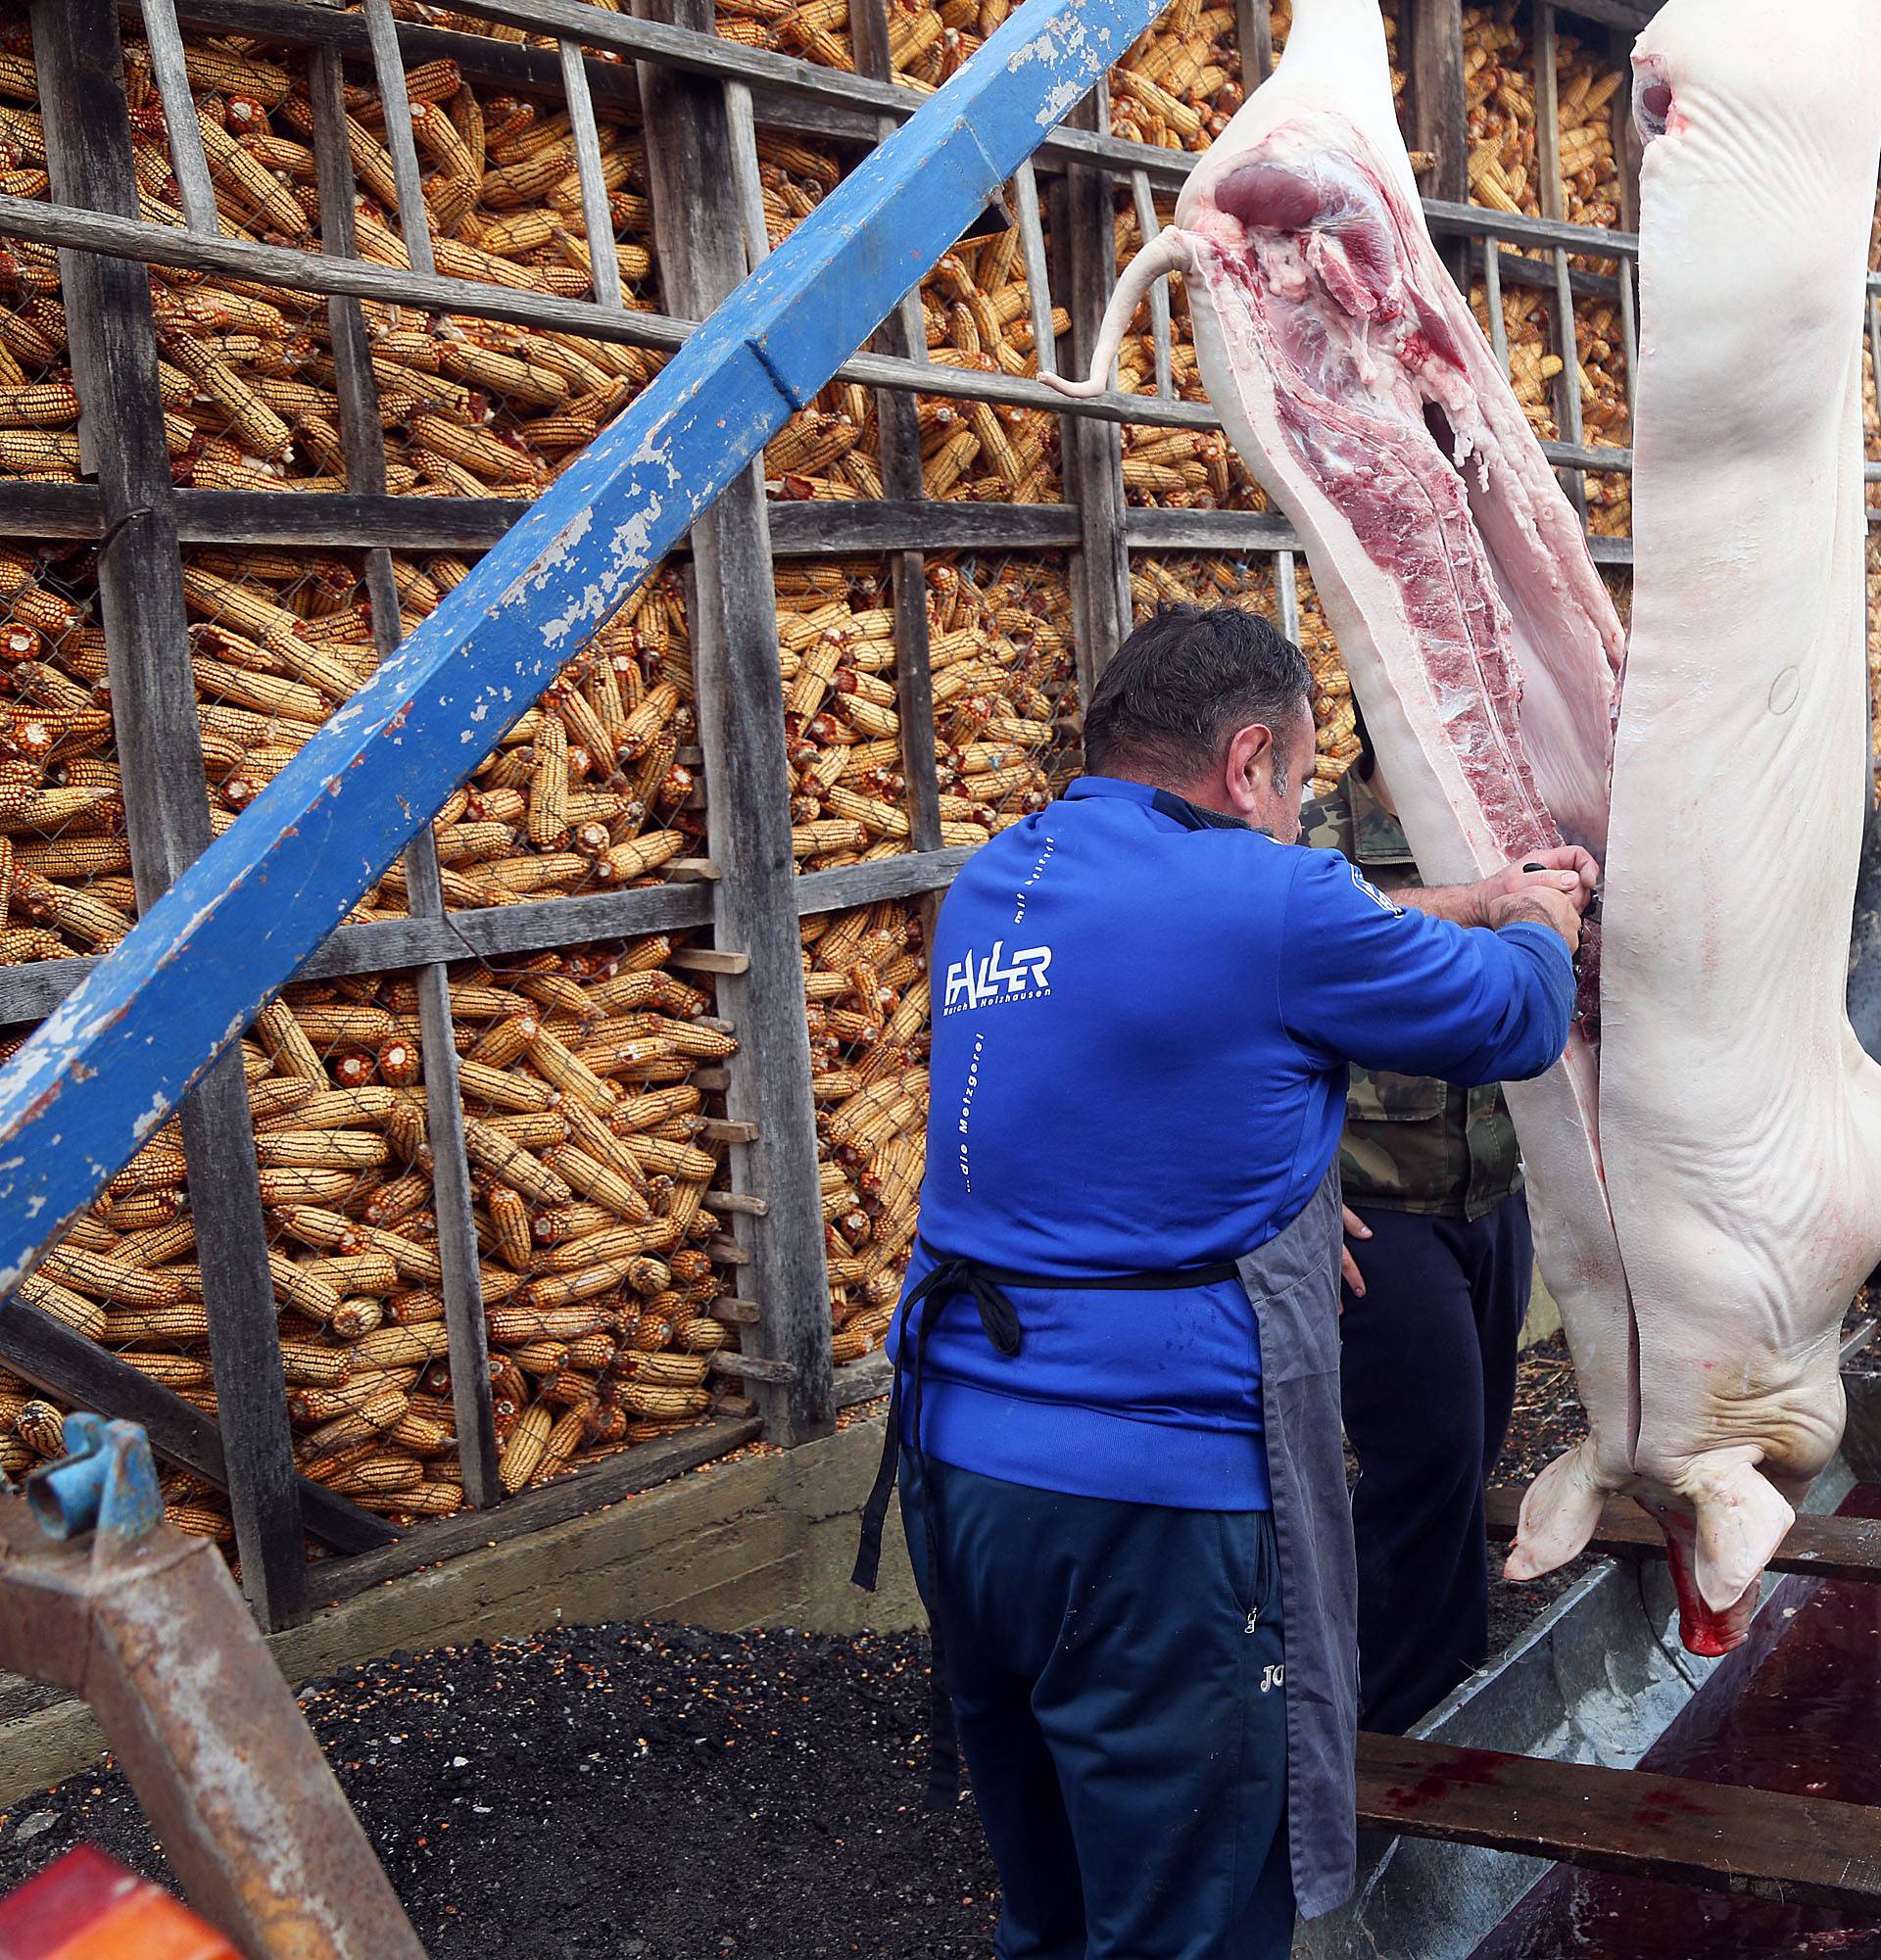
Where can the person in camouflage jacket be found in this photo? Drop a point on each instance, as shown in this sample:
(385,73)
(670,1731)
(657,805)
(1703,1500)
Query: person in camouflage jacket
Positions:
(1437,1278)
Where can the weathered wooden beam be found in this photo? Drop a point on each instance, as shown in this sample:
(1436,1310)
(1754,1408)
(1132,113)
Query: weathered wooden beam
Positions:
(363,441)
(140,596)
(1093,451)
(1430,42)
(538,1507)
(699,248)
(386,945)
(903,334)
(61,1362)
(1761,1843)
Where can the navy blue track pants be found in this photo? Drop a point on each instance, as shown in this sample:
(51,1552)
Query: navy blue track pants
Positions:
(1118,1674)
(1427,1383)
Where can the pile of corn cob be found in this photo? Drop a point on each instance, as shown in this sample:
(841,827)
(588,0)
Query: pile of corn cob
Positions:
(929,40)
(584,1076)
(470,408)
(1177,469)
(65,861)
(865,979)
(1000,662)
(594,787)
(597,787)
(1005,693)
(1180,81)
(1499,90)
(976,307)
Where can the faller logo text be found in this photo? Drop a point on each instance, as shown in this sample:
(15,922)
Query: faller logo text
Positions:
(996,978)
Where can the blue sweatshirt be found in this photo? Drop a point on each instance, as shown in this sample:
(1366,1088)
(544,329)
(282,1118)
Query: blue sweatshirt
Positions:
(1141,1038)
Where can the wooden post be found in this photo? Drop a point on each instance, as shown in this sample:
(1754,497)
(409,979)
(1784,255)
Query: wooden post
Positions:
(1093,451)
(1431,45)
(1254,35)
(114,351)
(1567,389)
(364,443)
(700,251)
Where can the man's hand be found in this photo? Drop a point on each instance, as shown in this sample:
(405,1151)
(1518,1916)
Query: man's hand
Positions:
(1565,869)
(1540,906)
(1554,894)
(1355,1229)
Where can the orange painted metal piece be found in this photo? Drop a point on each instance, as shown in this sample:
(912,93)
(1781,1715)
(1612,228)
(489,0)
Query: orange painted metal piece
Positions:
(89,1907)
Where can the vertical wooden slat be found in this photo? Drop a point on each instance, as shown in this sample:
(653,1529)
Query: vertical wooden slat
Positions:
(1031,249)
(904,334)
(748,780)
(388,64)
(1629,150)
(1492,299)
(597,219)
(1438,111)
(114,353)
(1147,227)
(1287,593)
(364,447)
(1093,451)
(1254,36)
(195,190)
(1566,390)
(1630,334)
(746,182)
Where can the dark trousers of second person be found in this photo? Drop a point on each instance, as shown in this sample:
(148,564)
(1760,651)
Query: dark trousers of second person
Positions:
(1428,1373)
(1118,1681)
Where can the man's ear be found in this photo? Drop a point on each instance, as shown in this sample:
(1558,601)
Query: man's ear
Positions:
(1250,768)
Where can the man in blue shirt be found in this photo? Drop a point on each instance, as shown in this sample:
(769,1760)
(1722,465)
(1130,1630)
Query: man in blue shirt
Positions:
(1122,1484)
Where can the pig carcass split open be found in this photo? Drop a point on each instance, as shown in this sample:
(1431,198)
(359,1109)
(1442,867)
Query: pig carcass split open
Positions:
(1704,1163)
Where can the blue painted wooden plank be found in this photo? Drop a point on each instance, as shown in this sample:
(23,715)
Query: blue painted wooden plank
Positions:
(117,1056)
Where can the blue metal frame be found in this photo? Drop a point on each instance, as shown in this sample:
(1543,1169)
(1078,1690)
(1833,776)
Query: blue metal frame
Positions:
(118,1054)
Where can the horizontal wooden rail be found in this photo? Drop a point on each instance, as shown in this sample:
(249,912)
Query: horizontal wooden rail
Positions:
(1818,1548)
(388,945)
(65,226)
(1799,1851)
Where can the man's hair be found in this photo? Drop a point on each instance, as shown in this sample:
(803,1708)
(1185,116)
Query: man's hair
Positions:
(1184,682)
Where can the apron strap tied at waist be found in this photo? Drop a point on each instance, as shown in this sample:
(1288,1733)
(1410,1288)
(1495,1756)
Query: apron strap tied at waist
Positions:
(921,1314)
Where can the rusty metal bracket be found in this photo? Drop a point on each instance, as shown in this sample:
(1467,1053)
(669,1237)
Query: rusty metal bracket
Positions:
(100,1597)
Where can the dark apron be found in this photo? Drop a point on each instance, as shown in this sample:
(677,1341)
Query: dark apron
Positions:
(1293,1285)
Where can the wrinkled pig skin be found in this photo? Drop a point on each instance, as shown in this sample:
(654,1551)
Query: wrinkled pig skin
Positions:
(1740,1120)
(1700,1161)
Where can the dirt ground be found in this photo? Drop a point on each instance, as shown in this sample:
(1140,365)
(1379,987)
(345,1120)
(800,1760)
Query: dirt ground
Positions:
(655,1793)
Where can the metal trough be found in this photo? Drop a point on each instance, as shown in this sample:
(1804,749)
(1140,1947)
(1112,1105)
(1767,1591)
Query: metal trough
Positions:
(1595,1680)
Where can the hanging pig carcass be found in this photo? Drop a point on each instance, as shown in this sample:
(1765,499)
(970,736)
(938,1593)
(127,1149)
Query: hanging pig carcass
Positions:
(1704,1163)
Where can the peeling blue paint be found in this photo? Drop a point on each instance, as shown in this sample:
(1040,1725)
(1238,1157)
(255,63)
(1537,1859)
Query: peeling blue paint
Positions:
(121,1051)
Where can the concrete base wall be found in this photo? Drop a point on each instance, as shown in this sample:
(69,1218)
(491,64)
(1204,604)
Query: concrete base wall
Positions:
(767,1540)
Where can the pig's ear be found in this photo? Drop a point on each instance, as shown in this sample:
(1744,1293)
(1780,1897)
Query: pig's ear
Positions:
(1742,1518)
(1558,1515)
